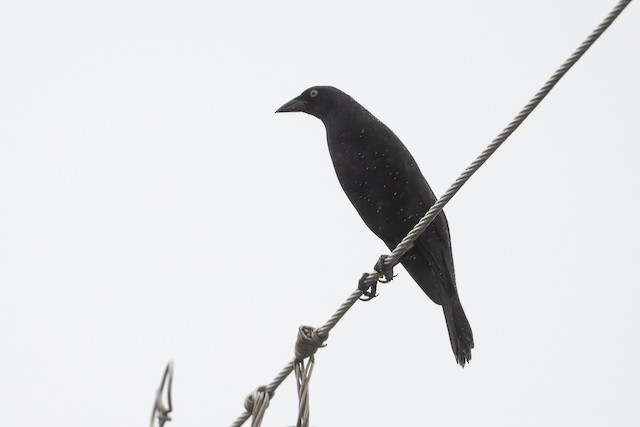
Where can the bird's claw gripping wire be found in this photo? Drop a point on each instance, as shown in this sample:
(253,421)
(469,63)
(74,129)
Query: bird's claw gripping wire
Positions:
(368,290)
(385,275)
(386,271)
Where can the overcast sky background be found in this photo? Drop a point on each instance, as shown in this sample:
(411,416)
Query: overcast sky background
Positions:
(152,207)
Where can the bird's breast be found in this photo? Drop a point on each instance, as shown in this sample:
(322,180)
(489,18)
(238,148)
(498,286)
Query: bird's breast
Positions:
(381,180)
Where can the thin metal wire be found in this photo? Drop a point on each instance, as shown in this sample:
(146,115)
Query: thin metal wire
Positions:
(437,207)
(303,377)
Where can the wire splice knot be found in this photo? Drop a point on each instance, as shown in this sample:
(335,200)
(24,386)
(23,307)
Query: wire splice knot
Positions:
(308,342)
(257,403)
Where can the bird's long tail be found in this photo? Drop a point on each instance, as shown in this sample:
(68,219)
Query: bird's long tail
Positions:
(460,333)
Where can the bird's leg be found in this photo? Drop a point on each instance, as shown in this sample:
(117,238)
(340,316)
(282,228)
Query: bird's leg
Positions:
(368,291)
(386,272)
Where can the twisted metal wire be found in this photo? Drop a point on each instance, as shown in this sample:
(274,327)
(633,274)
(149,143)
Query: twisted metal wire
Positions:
(412,236)
(321,331)
(408,241)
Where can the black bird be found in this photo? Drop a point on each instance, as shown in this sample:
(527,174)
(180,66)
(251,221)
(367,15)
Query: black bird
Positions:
(385,185)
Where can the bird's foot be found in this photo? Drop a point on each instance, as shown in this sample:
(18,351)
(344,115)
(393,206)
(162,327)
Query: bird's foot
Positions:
(386,271)
(369,291)
(385,275)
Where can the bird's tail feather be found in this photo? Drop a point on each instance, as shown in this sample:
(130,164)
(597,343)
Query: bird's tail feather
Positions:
(460,333)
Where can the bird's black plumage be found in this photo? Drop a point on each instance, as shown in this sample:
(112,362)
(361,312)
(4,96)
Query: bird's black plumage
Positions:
(385,185)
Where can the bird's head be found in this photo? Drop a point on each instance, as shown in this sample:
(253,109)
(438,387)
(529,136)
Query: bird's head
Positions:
(319,101)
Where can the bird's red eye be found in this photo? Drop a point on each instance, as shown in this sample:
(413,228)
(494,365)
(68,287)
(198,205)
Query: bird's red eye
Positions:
(313,93)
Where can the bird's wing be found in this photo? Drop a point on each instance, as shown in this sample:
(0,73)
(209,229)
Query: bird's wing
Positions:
(435,242)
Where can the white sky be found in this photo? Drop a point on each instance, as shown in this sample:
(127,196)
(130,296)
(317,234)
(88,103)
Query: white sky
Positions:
(152,207)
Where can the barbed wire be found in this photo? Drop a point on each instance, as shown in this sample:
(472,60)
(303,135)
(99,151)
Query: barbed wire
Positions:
(263,394)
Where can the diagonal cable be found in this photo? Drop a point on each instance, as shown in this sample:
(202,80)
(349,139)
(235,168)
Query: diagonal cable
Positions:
(437,207)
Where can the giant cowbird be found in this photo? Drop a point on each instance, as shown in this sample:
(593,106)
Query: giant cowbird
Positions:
(385,185)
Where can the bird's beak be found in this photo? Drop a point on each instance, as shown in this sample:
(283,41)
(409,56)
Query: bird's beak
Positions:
(294,105)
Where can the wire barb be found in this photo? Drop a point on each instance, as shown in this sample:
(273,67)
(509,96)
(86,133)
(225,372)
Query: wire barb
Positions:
(371,278)
(160,411)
